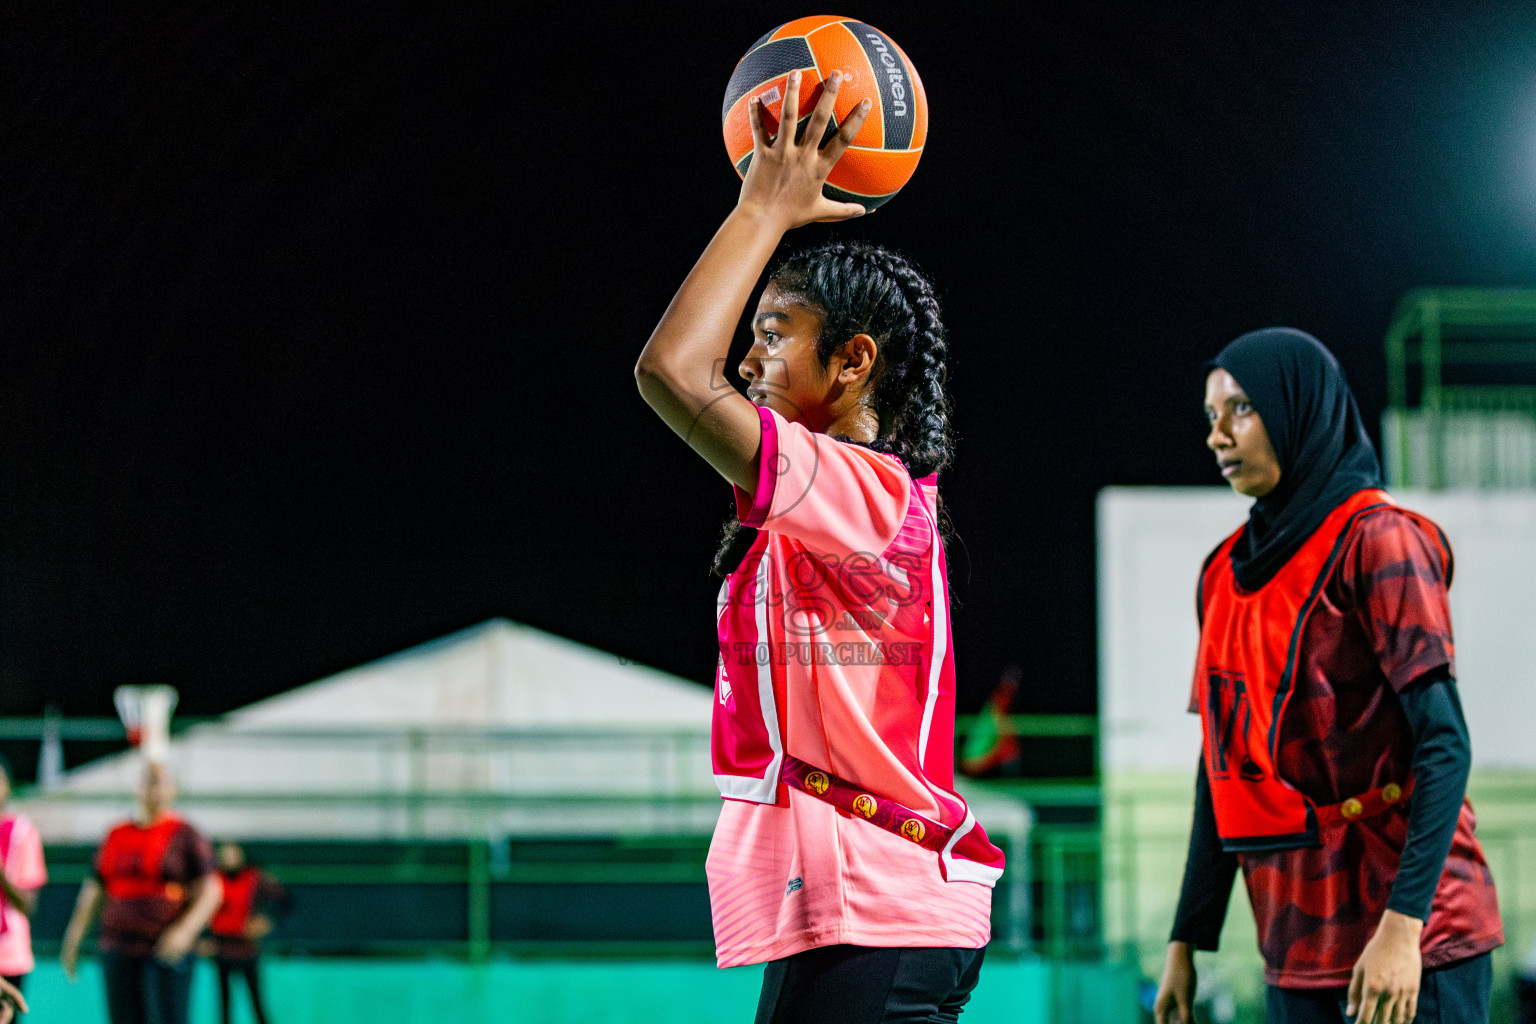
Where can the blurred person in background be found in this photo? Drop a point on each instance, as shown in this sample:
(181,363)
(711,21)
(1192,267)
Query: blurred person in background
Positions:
(253,900)
(22,874)
(155,886)
(991,746)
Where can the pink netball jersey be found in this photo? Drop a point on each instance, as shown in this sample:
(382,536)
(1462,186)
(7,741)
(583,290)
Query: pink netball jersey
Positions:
(835,649)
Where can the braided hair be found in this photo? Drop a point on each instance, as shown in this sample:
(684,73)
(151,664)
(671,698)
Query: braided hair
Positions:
(863,288)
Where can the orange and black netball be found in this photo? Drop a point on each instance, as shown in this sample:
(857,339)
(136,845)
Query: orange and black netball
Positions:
(883,156)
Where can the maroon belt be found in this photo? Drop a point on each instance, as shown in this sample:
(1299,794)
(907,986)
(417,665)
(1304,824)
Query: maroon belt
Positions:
(877,810)
(1367,805)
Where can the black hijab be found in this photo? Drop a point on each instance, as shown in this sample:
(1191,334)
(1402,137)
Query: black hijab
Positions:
(1299,391)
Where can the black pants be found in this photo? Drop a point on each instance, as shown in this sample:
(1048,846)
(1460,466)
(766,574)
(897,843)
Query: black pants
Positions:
(249,969)
(19,980)
(142,990)
(869,985)
(1455,994)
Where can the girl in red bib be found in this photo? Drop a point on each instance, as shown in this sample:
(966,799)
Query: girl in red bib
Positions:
(155,886)
(843,857)
(252,899)
(1335,754)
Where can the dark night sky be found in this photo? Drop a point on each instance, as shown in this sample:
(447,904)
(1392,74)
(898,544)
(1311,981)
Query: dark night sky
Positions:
(316,331)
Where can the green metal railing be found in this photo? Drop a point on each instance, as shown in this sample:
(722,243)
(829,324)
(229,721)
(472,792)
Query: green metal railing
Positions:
(466,877)
(1146,838)
(1064,861)
(1434,329)
(475,868)
(1053,726)
(1050,897)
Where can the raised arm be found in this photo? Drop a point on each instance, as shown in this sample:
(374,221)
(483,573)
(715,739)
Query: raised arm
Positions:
(681,371)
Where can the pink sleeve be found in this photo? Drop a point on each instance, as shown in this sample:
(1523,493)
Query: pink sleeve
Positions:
(752,509)
(829,495)
(26,869)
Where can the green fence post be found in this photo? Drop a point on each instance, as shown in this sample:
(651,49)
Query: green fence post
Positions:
(1430,400)
(479,901)
(1125,849)
(1056,895)
(416,781)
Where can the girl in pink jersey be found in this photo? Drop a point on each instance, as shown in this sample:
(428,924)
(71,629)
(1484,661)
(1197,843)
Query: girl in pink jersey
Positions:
(843,857)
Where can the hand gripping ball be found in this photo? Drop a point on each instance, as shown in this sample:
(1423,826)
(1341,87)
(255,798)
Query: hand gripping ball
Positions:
(885,152)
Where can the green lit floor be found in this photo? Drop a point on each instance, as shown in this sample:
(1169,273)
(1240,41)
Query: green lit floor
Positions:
(336,991)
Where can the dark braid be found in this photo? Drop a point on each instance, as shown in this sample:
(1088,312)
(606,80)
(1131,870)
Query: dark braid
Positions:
(862,288)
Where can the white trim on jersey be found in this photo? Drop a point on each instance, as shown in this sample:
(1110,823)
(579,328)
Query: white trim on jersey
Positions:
(962,869)
(940,624)
(965,870)
(763,790)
